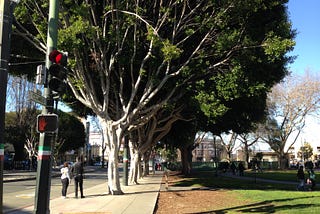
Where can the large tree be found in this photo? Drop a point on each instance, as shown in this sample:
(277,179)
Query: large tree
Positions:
(247,140)
(128,58)
(20,124)
(289,103)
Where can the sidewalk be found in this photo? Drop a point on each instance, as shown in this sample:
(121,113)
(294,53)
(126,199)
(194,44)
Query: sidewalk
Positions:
(138,199)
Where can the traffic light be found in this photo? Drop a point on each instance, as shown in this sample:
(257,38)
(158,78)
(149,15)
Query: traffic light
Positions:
(47,123)
(58,71)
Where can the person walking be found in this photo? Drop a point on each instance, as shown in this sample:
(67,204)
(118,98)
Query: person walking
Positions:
(77,172)
(241,169)
(312,179)
(301,178)
(233,168)
(65,179)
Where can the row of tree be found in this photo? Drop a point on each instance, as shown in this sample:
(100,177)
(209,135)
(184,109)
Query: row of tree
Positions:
(142,66)
(289,104)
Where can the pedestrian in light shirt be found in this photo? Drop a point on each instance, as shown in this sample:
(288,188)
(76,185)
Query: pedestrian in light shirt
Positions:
(65,179)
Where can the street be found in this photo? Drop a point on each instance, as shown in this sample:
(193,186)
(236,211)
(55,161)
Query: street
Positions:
(21,193)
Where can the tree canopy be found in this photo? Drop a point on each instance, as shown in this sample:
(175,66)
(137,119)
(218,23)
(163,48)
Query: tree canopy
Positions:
(129,58)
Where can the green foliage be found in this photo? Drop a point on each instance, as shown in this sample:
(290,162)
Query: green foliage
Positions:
(19,127)
(71,36)
(15,135)
(305,151)
(170,51)
(275,46)
(71,131)
(229,53)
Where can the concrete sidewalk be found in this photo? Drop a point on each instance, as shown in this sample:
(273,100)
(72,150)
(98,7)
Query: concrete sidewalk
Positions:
(138,199)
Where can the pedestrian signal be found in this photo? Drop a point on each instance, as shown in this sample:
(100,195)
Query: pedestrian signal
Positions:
(47,123)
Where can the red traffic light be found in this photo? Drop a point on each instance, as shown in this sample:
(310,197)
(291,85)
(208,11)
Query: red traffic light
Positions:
(58,57)
(58,71)
(47,123)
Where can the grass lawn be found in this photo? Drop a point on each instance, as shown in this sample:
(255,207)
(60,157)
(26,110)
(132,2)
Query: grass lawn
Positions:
(259,197)
(278,201)
(281,175)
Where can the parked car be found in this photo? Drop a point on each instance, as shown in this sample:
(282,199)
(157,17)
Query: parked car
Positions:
(8,162)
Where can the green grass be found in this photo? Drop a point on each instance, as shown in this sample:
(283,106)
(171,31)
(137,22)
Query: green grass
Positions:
(260,197)
(277,201)
(281,175)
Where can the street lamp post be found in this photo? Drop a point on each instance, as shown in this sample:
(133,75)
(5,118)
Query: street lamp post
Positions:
(6,16)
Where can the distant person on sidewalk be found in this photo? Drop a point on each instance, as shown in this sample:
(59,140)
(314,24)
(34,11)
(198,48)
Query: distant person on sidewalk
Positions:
(65,179)
(77,173)
(233,168)
(241,169)
(301,178)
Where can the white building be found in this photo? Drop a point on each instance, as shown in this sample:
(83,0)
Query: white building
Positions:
(95,145)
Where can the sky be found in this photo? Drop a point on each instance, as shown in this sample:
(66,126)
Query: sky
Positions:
(305,16)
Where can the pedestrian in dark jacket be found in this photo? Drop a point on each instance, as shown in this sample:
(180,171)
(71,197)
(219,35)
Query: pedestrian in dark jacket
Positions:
(241,169)
(77,173)
(301,178)
(233,168)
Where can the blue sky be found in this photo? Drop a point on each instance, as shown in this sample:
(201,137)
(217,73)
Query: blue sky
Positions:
(305,16)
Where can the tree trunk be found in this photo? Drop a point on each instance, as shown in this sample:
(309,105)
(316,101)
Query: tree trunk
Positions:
(247,156)
(134,164)
(186,159)
(283,161)
(146,157)
(140,171)
(102,158)
(113,134)
(113,173)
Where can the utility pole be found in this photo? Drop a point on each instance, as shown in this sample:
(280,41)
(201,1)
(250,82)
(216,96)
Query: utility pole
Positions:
(42,192)
(6,14)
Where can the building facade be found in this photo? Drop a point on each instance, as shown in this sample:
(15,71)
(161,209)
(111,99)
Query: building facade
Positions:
(208,150)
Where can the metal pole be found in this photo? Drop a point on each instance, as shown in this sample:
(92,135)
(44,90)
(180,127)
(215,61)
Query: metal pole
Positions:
(42,192)
(6,14)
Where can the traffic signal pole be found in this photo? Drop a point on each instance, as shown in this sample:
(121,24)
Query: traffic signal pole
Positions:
(4,58)
(42,192)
